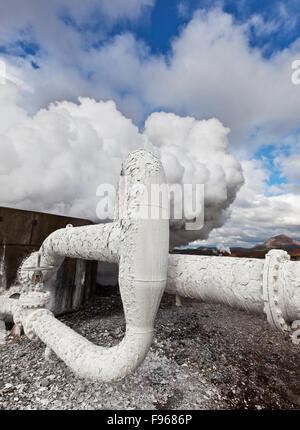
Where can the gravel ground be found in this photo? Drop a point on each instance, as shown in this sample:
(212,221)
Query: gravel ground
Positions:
(203,357)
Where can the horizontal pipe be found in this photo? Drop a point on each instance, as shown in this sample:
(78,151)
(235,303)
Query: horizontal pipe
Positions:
(270,286)
(236,282)
(94,242)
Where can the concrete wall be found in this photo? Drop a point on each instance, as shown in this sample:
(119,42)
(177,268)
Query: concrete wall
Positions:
(23,232)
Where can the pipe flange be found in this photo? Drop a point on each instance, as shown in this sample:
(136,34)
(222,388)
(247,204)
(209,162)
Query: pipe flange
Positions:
(34,300)
(27,303)
(273,289)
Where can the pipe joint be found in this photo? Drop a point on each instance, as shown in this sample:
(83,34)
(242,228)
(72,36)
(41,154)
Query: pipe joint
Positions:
(274,290)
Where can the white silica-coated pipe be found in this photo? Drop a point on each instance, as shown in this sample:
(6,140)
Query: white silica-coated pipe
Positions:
(270,286)
(86,359)
(140,246)
(94,242)
(236,282)
(139,243)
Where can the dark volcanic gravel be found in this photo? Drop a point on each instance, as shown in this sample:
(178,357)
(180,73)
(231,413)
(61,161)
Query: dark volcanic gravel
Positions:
(203,357)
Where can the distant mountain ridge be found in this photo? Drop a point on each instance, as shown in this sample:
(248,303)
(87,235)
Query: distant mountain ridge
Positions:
(279,242)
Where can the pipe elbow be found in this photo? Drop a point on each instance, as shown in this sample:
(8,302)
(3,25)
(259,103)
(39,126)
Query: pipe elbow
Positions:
(139,241)
(84,358)
(115,363)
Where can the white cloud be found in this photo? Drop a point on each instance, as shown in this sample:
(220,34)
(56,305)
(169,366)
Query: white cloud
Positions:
(61,30)
(257,216)
(283,18)
(32,13)
(213,72)
(210,72)
(183,9)
(196,152)
(290,166)
(55,160)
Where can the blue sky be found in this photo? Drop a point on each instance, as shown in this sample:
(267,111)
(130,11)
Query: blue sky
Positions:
(229,60)
(168,16)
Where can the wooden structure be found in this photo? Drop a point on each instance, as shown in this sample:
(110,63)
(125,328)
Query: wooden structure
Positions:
(21,233)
